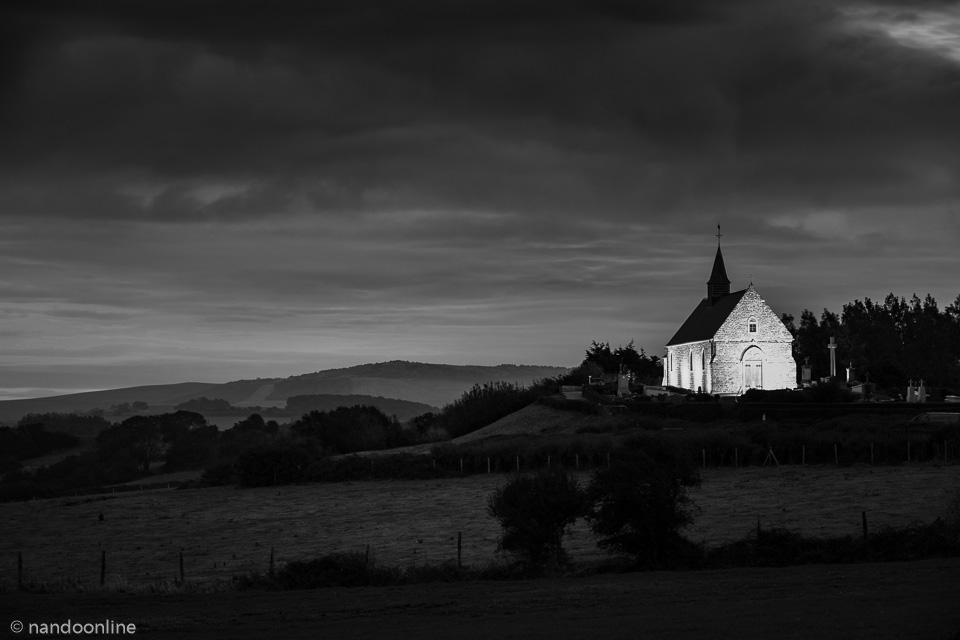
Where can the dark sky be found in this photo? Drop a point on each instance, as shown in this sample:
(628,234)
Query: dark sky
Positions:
(209,190)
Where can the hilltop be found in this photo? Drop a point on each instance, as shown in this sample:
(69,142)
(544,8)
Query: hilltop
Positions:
(429,384)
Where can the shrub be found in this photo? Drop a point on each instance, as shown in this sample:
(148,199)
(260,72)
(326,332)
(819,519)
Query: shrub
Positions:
(640,503)
(270,465)
(534,512)
(335,570)
(487,403)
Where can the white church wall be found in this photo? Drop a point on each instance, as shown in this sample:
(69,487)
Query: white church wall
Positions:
(771,337)
(687,373)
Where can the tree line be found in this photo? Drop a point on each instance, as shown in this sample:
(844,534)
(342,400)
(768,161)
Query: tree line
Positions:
(893,341)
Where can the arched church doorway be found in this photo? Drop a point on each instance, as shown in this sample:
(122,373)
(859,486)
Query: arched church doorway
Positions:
(752,362)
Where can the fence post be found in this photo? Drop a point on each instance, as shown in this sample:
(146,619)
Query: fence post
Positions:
(578,460)
(836,457)
(703,453)
(103,568)
(908,451)
(548,461)
(871,453)
(518,463)
(461,465)
(803,455)
(181,564)
(488,465)
(459,549)
(944,450)
(866,541)
(736,458)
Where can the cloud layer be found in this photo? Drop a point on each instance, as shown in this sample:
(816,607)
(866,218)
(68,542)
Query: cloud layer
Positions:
(210,190)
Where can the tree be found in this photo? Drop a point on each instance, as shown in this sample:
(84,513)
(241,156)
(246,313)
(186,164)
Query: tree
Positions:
(351,429)
(624,358)
(534,512)
(640,503)
(485,404)
(138,437)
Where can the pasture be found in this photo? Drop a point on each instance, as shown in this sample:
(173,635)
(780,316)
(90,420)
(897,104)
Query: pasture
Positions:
(225,531)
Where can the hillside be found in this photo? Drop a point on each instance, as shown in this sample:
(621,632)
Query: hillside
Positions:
(432,385)
(533,420)
(402,409)
(154,395)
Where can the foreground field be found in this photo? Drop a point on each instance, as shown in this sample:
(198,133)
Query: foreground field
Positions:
(224,531)
(877,601)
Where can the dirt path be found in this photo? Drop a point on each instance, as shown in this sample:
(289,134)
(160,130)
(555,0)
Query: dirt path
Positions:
(877,601)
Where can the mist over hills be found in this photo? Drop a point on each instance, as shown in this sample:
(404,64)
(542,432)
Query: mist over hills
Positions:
(430,384)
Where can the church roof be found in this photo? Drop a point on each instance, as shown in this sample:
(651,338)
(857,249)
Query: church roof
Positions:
(719,273)
(707,318)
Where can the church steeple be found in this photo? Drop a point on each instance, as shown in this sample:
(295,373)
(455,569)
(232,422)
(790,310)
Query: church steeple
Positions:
(718,284)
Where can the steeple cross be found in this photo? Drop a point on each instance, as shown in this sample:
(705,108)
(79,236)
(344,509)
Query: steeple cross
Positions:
(719,235)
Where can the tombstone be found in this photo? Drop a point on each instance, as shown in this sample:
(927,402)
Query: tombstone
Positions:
(911,392)
(806,376)
(623,385)
(922,392)
(851,374)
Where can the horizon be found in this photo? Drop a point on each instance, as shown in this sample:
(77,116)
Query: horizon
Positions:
(190,193)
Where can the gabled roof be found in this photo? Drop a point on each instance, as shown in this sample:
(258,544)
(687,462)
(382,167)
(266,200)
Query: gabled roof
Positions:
(706,319)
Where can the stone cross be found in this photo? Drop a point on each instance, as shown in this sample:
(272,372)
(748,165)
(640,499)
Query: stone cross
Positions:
(833,357)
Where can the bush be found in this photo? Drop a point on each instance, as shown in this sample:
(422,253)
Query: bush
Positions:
(640,503)
(335,570)
(534,512)
(487,403)
(270,465)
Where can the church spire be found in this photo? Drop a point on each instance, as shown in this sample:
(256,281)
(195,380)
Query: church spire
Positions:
(718,284)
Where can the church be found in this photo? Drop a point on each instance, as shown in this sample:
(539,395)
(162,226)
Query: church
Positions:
(731,342)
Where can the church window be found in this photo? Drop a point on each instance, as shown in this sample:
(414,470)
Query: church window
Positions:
(703,359)
(753,325)
(691,360)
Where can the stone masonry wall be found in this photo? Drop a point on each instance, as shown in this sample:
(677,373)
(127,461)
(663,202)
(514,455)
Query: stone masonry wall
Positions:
(682,374)
(724,374)
(771,338)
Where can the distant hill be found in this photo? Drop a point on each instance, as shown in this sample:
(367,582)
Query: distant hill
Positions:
(154,395)
(434,385)
(402,409)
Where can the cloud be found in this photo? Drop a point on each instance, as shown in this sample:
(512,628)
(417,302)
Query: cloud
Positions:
(394,178)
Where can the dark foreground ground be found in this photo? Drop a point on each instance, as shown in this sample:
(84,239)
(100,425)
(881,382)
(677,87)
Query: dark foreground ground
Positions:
(877,601)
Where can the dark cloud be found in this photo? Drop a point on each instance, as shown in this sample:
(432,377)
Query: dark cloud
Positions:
(278,174)
(555,108)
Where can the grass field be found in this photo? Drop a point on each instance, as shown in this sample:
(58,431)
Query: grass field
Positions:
(224,531)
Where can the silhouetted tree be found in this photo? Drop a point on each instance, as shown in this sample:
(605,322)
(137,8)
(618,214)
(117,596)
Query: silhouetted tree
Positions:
(640,502)
(535,511)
